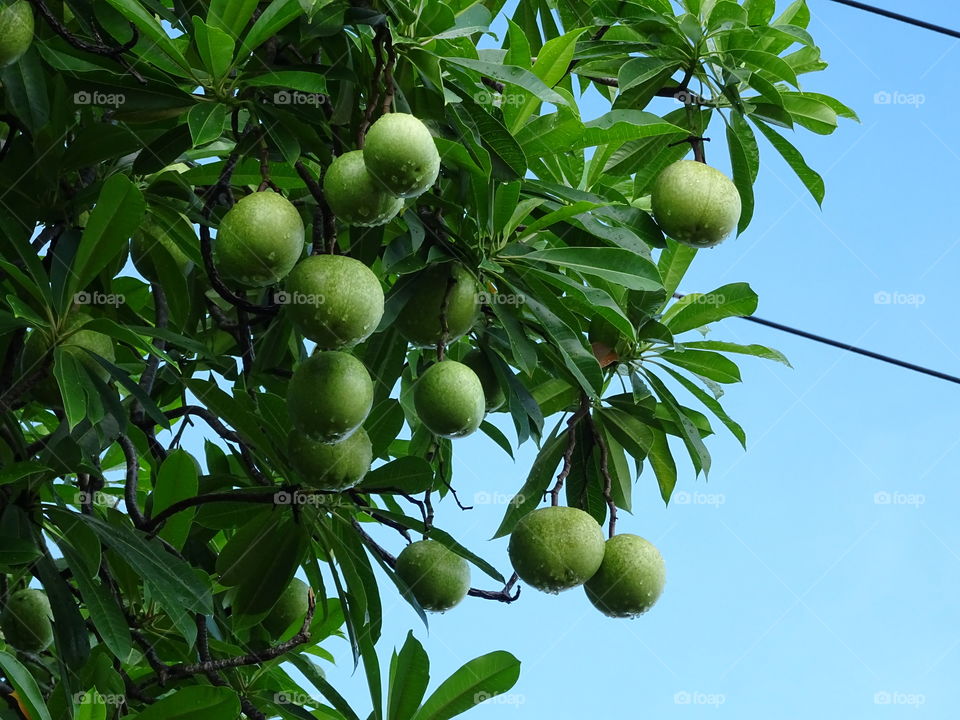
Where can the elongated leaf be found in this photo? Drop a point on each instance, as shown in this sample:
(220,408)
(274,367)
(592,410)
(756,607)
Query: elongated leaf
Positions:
(26,687)
(231,16)
(711,404)
(176,480)
(197,702)
(811,179)
(704,362)
(274,18)
(759,351)
(409,675)
(510,74)
(538,480)
(117,214)
(696,310)
(478,680)
(621,267)
(151,29)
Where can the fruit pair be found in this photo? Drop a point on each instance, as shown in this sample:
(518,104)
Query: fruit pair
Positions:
(558,548)
(399,160)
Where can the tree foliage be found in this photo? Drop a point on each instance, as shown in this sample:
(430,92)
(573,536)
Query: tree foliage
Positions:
(149,119)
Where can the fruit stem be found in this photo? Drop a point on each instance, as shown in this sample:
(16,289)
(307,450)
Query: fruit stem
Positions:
(582,411)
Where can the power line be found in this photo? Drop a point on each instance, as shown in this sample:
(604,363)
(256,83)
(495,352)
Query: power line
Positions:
(902,18)
(848,347)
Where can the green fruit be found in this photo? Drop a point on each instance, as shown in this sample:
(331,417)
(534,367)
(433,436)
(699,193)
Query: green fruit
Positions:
(556,548)
(695,204)
(334,300)
(39,345)
(630,578)
(354,196)
(478,361)
(438,578)
(147,245)
(26,621)
(332,467)
(16,31)
(260,240)
(449,399)
(401,154)
(419,319)
(291,608)
(329,396)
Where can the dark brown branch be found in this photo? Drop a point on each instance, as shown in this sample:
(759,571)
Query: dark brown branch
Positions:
(218,427)
(208,665)
(605,474)
(155,522)
(324,223)
(572,423)
(132,480)
(114,52)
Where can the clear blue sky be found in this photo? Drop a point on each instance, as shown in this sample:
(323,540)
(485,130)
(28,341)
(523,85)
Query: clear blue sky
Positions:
(800,596)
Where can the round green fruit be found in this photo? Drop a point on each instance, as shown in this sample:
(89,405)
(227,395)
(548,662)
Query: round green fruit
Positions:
(291,608)
(401,154)
(39,344)
(147,246)
(478,361)
(354,196)
(260,240)
(329,396)
(26,621)
(419,321)
(16,30)
(438,578)
(695,204)
(337,466)
(449,399)
(556,548)
(334,300)
(630,578)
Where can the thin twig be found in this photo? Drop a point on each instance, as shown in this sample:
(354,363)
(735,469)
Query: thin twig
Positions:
(572,423)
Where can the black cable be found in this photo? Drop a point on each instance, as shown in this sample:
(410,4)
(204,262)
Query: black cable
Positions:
(848,347)
(897,16)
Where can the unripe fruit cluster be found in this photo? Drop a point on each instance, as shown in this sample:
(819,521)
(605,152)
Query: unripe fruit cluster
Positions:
(558,548)
(399,160)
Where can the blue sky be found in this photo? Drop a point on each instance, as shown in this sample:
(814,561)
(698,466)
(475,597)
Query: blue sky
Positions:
(796,590)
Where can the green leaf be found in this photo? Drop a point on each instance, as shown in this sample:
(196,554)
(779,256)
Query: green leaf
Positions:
(635,436)
(704,362)
(538,480)
(759,351)
(197,702)
(510,74)
(549,135)
(711,404)
(551,66)
(673,264)
(478,680)
(215,46)
(171,580)
(743,159)
(639,70)
(408,475)
(25,89)
(28,690)
(688,431)
(117,215)
(663,464)
(152,30)
(613,264)
(409,675)
(699,309)
(231,16)
(104,611)
(810,112)
(767,62)
(277,15)
(206,122)
(176,480)
(811,180)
